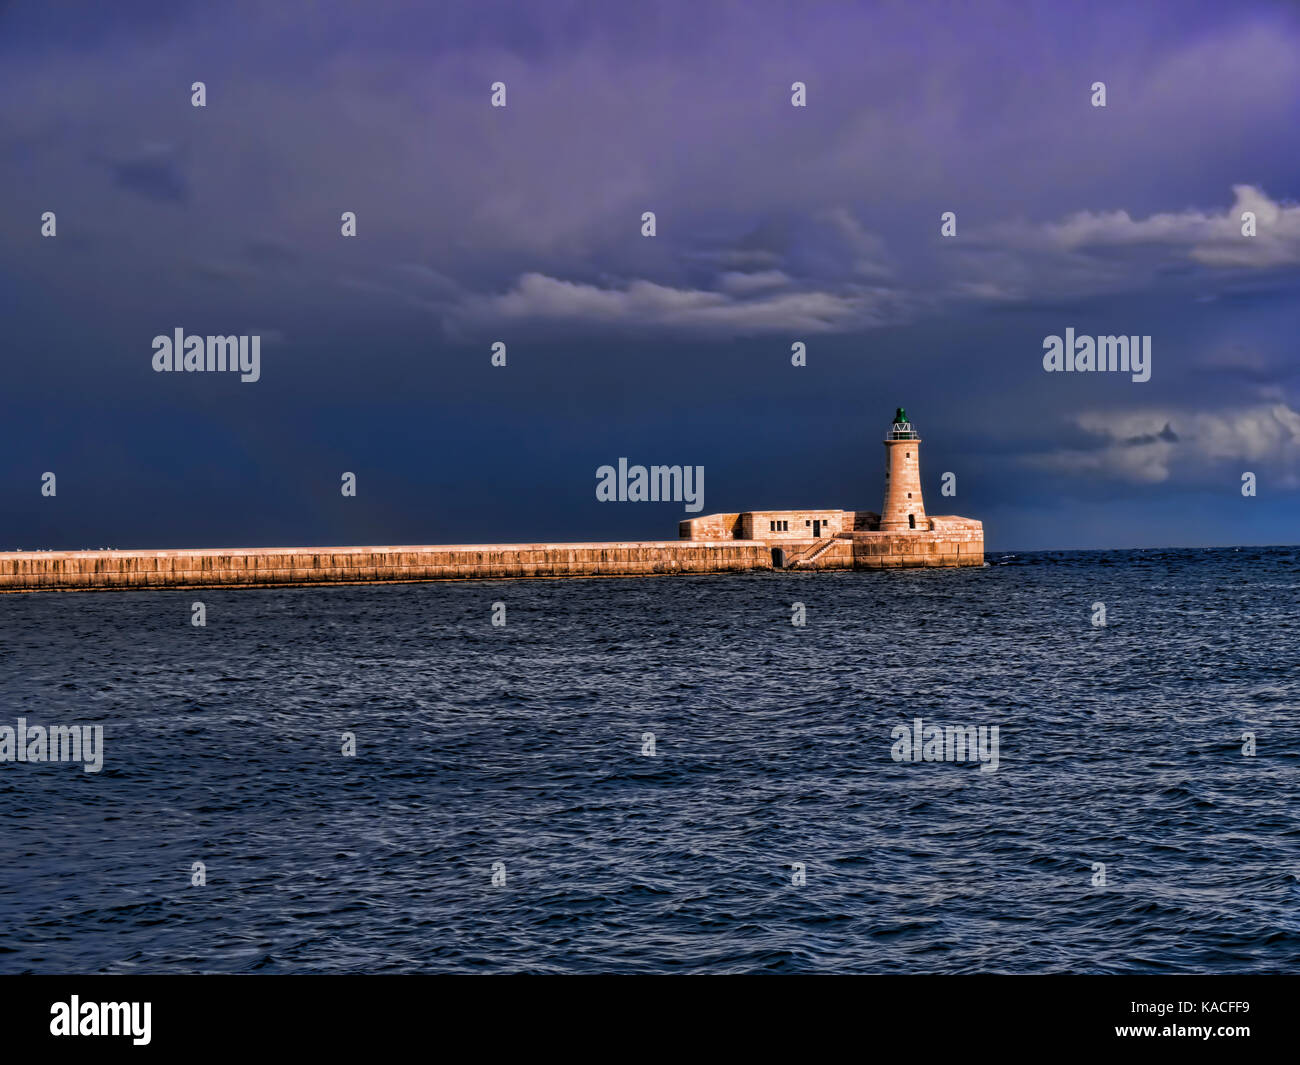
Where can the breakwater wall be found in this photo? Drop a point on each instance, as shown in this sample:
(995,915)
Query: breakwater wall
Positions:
(268,567)
(27,571)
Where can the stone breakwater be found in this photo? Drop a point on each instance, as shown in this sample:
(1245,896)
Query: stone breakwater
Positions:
(279,566)
(23,571)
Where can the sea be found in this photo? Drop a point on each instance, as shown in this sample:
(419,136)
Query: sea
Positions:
(667,774)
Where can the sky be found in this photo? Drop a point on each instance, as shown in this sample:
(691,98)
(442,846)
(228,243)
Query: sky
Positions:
(522,224)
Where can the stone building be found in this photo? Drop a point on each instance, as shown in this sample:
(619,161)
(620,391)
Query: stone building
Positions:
(901,534)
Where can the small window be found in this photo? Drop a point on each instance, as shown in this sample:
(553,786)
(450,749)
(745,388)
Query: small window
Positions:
(909,454)
(909,495)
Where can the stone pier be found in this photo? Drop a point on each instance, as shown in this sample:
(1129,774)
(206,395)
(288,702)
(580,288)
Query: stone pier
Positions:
(29,571)
(286,566)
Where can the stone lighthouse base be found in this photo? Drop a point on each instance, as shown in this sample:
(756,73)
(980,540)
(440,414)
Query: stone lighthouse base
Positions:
(887,550)
(845,539)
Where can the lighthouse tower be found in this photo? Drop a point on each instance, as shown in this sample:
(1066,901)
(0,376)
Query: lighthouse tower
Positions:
(904,510)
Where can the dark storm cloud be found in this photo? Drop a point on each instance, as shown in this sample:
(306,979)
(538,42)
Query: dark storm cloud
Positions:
(1166,434)
(154,175)
(270,253)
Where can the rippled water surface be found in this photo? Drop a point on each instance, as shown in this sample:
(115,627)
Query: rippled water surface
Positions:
(523,745)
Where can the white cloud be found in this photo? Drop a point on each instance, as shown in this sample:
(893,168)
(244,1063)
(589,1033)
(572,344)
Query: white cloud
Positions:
(1151,446)
(987,290)
(743,284)
(871,259)
(1212,239)
(645,304)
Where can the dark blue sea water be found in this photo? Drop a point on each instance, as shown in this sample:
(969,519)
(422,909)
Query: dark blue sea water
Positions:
(522,745)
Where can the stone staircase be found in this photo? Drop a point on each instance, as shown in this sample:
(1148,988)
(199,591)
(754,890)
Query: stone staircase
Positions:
(813,553)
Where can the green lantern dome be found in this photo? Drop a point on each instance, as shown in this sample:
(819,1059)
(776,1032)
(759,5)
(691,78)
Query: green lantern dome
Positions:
(902,427)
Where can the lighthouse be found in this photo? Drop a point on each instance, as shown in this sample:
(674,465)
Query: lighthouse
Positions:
(904,509)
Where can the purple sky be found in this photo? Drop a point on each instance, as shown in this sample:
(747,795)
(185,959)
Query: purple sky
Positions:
(521,224)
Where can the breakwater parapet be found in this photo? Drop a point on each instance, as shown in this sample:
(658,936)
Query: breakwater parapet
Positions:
(279,566)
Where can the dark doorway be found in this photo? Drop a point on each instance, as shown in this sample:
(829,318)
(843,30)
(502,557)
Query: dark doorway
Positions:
(911,521)
(817,527)
(778,557)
